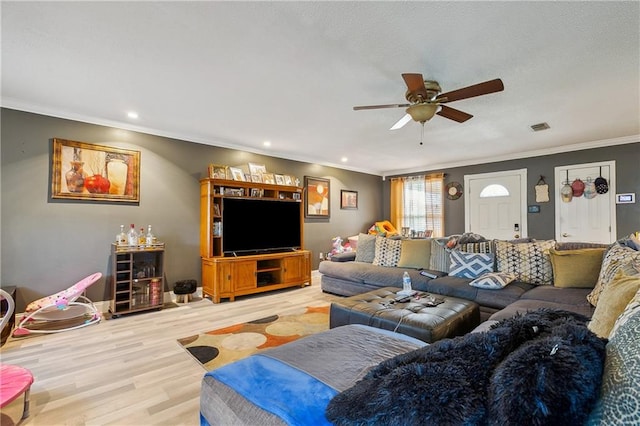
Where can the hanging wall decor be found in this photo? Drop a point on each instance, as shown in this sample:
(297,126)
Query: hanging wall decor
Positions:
(589,189)
(542,191)
(566,192)
(602,186)
(84,171)
(453,190)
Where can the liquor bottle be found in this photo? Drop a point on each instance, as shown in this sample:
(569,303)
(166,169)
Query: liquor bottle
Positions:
(121,238)
(132,236)
(149,237)
(141,238)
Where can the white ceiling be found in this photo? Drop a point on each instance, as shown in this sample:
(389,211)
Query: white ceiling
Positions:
(235,74)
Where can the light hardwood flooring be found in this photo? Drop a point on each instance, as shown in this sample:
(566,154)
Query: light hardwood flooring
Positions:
(131,370)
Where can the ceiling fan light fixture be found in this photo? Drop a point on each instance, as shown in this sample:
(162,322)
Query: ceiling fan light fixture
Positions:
(422,112)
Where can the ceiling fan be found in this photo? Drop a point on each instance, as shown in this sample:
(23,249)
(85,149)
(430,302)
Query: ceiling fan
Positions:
(425,100)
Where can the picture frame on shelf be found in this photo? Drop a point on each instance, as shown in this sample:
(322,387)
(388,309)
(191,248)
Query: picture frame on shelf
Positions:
(218,172)
(256,178)
(288,180)
(296,196)
(237,174)
(318,199)
(279,179)
(257,169)
(348,199)
(256,192)
(216,210)
(88,172)
(268,178)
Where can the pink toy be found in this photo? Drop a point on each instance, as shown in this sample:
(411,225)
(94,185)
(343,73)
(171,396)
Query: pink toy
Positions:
(14,380)
(63,305)
(338,247)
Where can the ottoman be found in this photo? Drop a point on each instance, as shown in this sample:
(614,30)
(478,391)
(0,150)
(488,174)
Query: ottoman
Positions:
(416,318)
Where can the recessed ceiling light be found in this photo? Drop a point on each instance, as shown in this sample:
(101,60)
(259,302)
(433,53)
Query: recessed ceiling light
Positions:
(266,143)
(132,114)
(344,159)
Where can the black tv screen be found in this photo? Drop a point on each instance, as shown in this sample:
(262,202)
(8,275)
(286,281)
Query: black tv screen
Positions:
(257,225)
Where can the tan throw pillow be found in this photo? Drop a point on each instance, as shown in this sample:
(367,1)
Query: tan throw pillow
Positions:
(616,258)
(612,302)
(415,254)
(576,268)
(530,262)
(387,251)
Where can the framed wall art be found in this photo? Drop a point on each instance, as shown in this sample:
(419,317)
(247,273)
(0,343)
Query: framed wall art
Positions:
(318,197)
(348,199)
(85,171)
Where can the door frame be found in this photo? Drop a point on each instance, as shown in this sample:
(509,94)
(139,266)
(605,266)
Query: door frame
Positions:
(557,172)
(524,229)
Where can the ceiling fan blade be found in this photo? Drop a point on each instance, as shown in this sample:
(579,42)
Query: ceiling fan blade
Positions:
(415,84)
(453,114)
(400,123)
(479,89)
(359,108)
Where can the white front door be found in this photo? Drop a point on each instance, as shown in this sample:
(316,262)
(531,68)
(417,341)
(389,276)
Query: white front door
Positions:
(496,205)
(583,219)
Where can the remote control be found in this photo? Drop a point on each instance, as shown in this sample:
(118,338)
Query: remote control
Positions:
(402,299)
(428,274)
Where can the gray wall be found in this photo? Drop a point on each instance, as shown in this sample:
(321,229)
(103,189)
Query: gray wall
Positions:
(542,225)
(47,245)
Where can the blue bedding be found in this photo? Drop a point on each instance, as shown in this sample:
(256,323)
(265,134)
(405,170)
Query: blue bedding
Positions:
(294,396)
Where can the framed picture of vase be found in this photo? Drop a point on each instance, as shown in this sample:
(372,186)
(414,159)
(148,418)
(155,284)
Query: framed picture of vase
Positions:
(85,171)
(317,204)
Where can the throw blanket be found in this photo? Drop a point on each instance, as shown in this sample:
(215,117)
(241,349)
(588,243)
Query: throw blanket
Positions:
(301,398)
(541,368)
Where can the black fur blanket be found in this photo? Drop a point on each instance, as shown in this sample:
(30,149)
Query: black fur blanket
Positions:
(544,367)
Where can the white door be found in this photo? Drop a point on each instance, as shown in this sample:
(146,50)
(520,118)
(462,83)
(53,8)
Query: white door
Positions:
(496,204)
(583,219)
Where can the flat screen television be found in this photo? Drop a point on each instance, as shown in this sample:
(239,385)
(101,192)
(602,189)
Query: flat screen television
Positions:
(256,225)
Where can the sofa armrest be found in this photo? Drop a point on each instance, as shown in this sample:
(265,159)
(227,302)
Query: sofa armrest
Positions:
(347,256)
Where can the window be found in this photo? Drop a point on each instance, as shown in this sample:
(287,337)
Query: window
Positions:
(494,190)
(417,203)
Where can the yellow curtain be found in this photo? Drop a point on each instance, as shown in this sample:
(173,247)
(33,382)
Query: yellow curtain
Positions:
(425,202)
(397,202)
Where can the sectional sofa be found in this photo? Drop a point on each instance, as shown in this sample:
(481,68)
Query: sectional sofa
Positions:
(380,262)
(550,365)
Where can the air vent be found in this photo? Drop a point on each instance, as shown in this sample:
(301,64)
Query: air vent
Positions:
(540,126)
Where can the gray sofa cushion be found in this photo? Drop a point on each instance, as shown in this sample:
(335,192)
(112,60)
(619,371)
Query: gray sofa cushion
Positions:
(366,249)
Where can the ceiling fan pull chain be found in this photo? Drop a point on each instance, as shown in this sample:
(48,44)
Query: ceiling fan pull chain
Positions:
(422,134)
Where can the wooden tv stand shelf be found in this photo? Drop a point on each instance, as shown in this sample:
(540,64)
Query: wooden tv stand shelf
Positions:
(230,276)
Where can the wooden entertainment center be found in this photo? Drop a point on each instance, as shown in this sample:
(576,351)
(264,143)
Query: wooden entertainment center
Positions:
(226,275)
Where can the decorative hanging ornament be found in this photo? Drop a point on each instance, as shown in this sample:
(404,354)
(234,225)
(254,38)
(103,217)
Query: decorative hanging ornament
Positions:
(566,192)
(542,191)
(577,187)
(589,189)
(602,186)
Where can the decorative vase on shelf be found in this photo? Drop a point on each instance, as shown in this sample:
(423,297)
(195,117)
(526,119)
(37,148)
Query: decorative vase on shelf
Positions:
(75,177)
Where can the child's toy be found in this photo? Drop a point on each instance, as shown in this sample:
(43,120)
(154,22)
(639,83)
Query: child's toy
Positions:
(383,228)
(338,247)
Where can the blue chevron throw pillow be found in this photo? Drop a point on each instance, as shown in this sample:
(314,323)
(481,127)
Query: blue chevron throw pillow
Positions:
(470,265)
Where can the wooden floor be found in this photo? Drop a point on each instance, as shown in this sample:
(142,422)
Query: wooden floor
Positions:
(131,370)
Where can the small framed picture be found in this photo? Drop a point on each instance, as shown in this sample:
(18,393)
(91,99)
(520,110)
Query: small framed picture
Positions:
(257,169)
(348,199)
(268,178)
(288,180)
(256,178)
(296,196)
(218,172)
(256,192)
(216,210)
(237,174)
(279,179)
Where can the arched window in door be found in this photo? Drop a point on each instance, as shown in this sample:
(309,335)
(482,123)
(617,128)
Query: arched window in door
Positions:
(494,190)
